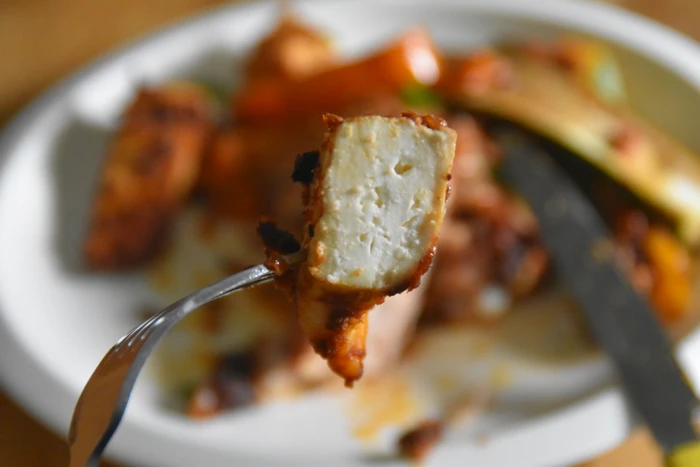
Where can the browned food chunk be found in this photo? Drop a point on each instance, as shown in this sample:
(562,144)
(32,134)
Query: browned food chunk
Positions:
(419,441)
(374,209)
(291,51)
(150,171)
(229,386)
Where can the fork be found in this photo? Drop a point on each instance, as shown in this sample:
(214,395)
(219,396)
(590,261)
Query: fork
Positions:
(102,403)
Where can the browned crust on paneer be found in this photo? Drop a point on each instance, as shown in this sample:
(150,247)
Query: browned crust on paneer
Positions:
(340,336)
(431,121)
(151,169)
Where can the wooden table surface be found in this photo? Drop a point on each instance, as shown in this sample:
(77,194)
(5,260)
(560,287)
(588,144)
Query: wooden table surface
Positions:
(44,40)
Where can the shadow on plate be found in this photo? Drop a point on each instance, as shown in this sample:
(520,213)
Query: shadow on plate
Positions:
(78,157)
(385,459)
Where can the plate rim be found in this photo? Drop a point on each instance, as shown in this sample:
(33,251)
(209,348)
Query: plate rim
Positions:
(640,34)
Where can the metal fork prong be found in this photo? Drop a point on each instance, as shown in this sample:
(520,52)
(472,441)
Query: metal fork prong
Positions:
(145,332)
(128,336)
(138,330)
(101,405)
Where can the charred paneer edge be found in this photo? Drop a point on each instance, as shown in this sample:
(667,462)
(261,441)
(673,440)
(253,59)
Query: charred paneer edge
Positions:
(374,204)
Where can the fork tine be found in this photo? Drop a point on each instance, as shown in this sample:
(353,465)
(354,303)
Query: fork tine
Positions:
(131,335)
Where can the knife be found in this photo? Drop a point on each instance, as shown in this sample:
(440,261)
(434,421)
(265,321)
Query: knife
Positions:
(622,321)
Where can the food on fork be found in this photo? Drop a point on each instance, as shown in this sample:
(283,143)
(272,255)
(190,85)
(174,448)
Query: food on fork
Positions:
(151,170)
(374,207)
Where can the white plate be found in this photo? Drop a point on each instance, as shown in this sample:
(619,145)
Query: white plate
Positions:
(55,324)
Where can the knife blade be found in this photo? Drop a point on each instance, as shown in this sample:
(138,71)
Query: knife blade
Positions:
(621,320)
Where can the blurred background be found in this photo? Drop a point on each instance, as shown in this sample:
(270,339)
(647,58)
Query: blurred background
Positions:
(43,41)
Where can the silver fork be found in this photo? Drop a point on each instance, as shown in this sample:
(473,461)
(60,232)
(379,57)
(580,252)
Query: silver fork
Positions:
(103,401)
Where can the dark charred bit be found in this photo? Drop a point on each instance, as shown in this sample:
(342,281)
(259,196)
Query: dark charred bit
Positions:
(310,230)
(401,287)
(305,166)
(341,307)
(277,240)
(278,243)
(322,347)
(230,385)
(419,441)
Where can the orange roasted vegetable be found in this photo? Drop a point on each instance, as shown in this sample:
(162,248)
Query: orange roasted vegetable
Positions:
(412,60)
(657,264)
(151,169)
(670,263)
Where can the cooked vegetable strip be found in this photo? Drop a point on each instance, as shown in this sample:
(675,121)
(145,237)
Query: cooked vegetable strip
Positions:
(375,207)
(548,97)
(590,64)
(150,171)
(412,60)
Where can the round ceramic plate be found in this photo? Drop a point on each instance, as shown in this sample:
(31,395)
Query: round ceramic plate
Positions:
(56,323)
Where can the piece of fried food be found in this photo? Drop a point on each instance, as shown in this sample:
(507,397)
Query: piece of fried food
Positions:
(292,50)
(150,171)
(376,202)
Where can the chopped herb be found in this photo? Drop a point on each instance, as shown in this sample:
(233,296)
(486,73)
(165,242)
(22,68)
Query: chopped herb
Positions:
(420,96)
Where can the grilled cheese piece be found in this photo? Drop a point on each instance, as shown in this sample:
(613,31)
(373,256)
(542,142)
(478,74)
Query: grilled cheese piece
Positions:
(376,201)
